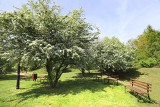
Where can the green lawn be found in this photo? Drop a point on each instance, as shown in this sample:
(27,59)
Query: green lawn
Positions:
(72,91)
(152,76)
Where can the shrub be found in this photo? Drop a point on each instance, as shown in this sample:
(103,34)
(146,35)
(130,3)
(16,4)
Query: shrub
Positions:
(150,62)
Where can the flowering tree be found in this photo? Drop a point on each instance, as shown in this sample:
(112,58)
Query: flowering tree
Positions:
(113,55)
(42,34)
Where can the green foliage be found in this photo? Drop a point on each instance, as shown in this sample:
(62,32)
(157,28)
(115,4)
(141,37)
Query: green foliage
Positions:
(39,33)
(150,62)
(147,48)
(87,60)
(113,55)
(5,66)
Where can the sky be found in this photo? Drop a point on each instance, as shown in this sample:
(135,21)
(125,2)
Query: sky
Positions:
(124,19)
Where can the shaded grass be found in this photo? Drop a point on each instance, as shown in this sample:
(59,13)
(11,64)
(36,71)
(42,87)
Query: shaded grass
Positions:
(71,92)
(130,73)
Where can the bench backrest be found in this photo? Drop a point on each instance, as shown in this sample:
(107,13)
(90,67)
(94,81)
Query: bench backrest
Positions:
(27,75)
(143,85)
(42,76)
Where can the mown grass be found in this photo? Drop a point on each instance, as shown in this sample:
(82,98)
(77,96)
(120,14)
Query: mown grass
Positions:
(72,91)
(152,76)
(39,71)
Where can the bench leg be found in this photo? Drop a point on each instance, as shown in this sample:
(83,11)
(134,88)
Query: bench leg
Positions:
(125,88)
(113,82)
(138,97)
(104,80)
(149,97)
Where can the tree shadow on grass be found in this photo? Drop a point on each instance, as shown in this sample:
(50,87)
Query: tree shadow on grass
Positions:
(131,73)
(14,77)
(64,88)
(9,77)
(143,98)
(86,75)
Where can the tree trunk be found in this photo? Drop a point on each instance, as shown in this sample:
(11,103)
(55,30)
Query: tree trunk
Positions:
(53,79)
(83,72)
(58,74)
(55,82)
(89,71)
(49,68)
(18,77)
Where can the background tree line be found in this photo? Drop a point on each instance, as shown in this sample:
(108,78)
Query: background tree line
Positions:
(147,47)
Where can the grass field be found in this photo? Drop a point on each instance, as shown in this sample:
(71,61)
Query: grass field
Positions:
(73,91)
(152,76)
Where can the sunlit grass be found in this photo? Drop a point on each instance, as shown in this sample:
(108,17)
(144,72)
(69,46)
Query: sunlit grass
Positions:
(72,91)
(152,76)
(40,71)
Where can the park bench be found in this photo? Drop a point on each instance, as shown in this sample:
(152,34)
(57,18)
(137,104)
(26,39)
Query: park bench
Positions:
(113,78)
(98,77)
(139,87)
(42,78)
(25,76)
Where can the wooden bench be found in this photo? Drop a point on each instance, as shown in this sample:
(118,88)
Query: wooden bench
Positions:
(42,78)
(98,77)
(26,76)
(139,87)
(113,78)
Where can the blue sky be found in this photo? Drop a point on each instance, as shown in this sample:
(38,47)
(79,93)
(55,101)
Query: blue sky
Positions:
(125,19)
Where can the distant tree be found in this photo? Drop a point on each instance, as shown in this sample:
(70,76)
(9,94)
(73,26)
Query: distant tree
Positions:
(5,67)
(153,38)
(87,59)
(147,47)
(113,55)
(16,30)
